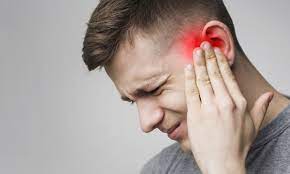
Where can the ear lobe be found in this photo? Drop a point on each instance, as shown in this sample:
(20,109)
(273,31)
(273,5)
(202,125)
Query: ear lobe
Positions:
(219,35)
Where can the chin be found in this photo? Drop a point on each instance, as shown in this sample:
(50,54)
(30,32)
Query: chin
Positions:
(184,141)
(185,146)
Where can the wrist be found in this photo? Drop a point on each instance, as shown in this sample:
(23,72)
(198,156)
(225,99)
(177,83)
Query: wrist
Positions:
(226,168)
(240,170)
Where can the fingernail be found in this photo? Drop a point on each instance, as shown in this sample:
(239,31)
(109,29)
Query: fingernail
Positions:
(206,45)
(196,49)
(199,52)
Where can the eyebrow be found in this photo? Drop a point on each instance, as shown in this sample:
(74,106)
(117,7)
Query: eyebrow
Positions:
(146,87)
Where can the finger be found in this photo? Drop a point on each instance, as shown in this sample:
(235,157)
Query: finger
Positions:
(202,78)
(191,90)
(220,91)
(259,109)
(230,80)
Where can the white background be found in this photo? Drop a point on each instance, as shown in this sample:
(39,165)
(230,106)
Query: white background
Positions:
(57,118)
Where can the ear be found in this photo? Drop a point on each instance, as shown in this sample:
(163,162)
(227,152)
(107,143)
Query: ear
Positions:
(219,35)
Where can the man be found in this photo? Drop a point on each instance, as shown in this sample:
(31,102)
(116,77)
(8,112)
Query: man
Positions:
(181,63)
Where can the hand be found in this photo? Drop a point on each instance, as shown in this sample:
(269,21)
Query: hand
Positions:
(220,128)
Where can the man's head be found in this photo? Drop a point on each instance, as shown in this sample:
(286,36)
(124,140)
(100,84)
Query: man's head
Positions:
(144,45)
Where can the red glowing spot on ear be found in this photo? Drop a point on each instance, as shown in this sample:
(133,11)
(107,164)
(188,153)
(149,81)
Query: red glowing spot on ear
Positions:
(192,40)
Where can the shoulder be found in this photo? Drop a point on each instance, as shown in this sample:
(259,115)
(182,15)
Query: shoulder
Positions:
(161,161)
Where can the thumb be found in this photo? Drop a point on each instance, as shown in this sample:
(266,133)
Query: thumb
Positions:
(259,109)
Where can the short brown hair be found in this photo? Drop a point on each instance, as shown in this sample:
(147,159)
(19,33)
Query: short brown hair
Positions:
(116,21)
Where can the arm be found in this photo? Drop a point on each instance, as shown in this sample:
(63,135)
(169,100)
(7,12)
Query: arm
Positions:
(220,128)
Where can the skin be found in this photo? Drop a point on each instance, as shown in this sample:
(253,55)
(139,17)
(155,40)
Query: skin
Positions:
(217,108)
(145,64)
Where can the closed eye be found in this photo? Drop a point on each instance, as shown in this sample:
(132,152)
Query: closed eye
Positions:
(155,91)
(144,93)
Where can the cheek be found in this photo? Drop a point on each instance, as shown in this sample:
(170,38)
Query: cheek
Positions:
(173,100)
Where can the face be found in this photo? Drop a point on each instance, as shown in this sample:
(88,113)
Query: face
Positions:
(154,80)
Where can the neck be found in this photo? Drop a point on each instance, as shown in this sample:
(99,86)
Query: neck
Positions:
(253,85)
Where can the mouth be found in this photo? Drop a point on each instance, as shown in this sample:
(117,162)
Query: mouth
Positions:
(173,133)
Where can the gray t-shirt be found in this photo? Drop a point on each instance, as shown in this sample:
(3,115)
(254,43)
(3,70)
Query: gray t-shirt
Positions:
(269,154)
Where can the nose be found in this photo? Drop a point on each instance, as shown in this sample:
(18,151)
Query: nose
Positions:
(150,114)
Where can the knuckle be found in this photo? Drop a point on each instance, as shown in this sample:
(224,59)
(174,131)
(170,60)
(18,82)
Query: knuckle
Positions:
(212,59)
(210,54)
(226,105)
(192,92)
(202,69)
(210,108)
(203,80)
(204,84)
(242,103)
(195,95)
(227,72)
(216,75)
(232,77)
(222,59)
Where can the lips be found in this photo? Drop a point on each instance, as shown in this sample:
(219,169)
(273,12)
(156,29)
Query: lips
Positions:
(173,128)
(173,132)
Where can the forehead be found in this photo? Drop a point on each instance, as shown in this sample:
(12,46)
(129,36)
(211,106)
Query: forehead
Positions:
(144,59)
